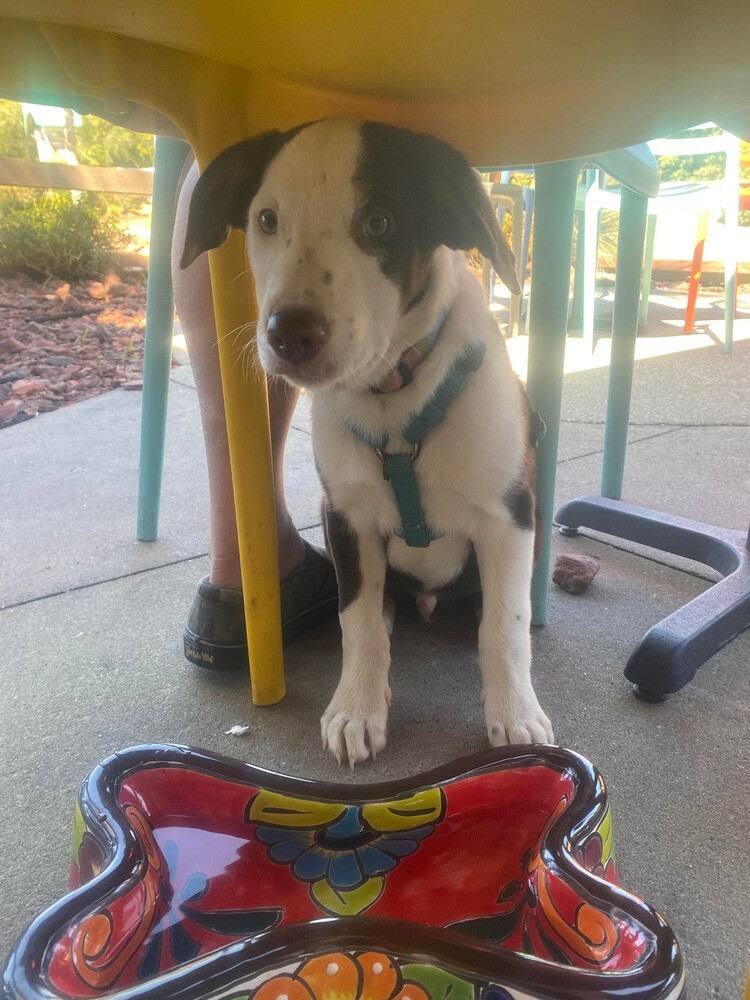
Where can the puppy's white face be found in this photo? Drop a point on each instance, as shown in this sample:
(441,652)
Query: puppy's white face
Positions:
(342,218)
(315,240)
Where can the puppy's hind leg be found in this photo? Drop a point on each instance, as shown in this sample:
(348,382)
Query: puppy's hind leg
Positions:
(354,724)
(389,613)
(511,708)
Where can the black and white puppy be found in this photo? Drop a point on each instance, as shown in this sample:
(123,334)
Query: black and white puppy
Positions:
(354,232)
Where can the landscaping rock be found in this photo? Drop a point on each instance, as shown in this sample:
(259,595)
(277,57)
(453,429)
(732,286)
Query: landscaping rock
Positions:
(50,357)
(9,346)
(574,572)
(71,304)
(9,409)
(28,387)
(96,290)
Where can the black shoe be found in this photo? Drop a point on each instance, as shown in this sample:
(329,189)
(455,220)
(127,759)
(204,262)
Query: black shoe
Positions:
(215,636)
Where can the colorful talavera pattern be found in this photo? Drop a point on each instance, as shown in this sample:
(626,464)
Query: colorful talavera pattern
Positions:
(536,914)
(597,853)
(344,851)
(370,975)
(502,853)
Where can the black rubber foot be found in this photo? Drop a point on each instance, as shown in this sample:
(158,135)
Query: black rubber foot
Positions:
(655,697)
(568,532)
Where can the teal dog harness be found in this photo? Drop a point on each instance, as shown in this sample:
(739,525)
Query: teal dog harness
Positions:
(398,467)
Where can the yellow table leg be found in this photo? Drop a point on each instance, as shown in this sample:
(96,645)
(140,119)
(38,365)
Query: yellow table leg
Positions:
(246,404)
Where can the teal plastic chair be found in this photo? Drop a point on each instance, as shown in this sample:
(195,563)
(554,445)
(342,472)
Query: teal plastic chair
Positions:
(169,159)
(555,202)
(510,197)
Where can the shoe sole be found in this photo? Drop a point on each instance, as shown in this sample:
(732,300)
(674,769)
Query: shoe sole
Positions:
(212,655)
(222,657)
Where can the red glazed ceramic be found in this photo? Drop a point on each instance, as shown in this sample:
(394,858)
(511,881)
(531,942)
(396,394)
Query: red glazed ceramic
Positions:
(199,877)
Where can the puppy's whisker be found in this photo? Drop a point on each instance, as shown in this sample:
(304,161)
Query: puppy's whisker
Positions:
(237,332)
(250,360)
(242,274)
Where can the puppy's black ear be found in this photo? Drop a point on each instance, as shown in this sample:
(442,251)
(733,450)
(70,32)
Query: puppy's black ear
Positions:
(471,221)
(224,190)
(438,185)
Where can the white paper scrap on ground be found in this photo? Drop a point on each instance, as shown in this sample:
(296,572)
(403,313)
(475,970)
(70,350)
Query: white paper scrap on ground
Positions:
(236,730)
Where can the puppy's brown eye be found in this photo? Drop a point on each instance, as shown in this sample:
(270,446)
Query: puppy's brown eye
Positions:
(268,221)
(377,224)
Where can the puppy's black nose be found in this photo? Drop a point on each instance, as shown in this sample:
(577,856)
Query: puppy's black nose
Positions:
(296,333)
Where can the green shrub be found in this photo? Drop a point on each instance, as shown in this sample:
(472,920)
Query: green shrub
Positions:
(13,138)
(53,233)
(100,144)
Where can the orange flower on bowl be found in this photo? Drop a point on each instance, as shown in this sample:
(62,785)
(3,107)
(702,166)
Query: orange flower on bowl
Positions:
(336,976)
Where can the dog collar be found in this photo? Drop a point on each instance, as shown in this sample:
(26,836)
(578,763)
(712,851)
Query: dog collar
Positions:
(402,372)
(398,467)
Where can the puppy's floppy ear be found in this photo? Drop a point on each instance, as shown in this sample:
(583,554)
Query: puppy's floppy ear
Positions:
(445,192)
(224,190)
(473,223)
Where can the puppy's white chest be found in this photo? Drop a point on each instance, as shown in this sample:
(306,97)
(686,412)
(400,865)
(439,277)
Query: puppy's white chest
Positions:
(434,566)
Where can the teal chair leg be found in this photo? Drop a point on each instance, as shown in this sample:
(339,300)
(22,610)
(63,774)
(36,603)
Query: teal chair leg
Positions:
(550,289)
(648,268)
(169,158)
(576,312)
(731,217)
(590,261)
(730,297)
(633,211)
(731,236)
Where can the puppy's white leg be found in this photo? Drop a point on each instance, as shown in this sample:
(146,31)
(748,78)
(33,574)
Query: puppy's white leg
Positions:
(511,708)
(354,724)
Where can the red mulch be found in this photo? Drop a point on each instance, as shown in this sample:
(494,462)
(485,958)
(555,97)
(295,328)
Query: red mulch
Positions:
(63,342)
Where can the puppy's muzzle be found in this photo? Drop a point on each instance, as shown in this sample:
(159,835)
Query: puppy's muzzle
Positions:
(296,333)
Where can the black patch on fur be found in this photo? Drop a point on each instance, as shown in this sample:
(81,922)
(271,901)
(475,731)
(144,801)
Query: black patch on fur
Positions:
(342,544)
(434,197)
(466,584)
(326,492)
(520,502)
(226,187)
(327,277)
(418,296)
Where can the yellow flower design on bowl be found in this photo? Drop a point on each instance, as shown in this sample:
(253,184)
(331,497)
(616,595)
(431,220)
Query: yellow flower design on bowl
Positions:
(344,851)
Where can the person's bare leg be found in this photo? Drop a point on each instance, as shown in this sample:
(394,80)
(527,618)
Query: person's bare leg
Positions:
(194,304)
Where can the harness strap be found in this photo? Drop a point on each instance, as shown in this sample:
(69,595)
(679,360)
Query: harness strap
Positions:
(398,467)
(434,409)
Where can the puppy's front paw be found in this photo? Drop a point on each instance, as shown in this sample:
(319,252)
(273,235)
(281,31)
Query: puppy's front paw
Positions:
(517,718)
(354,727)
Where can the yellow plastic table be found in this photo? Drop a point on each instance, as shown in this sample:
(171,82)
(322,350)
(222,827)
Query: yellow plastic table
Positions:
(505,82)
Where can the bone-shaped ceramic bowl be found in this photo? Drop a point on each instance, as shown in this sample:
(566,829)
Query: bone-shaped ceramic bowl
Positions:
(199,877)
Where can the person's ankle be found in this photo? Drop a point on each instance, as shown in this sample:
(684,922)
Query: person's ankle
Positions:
(226,572)
(291,552)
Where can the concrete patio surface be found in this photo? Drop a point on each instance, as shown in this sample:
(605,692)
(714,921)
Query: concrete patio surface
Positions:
(91,626)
